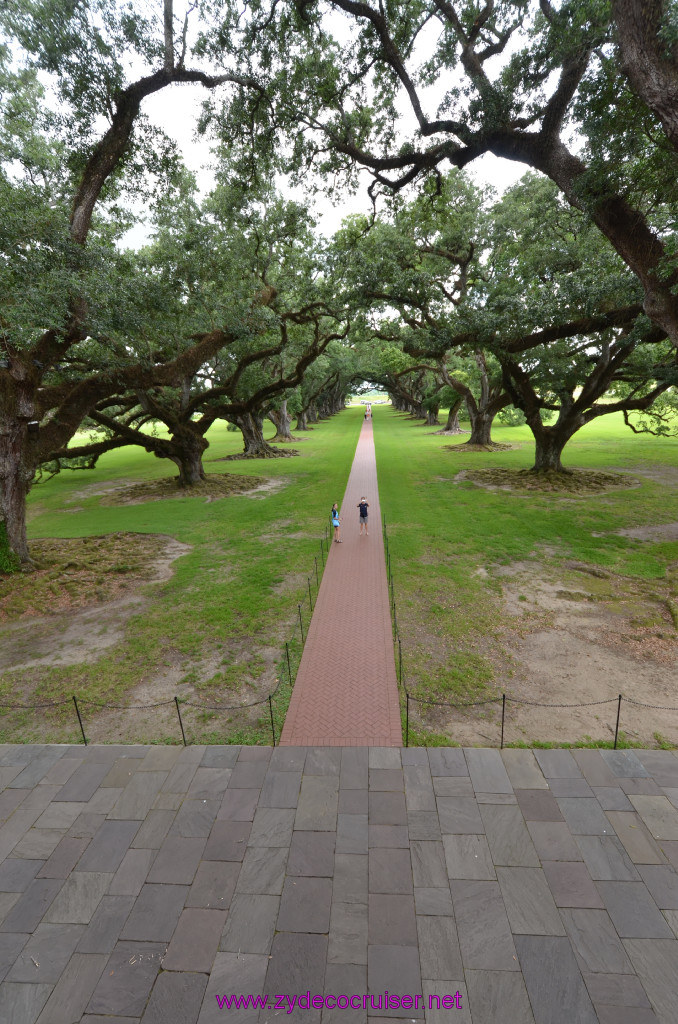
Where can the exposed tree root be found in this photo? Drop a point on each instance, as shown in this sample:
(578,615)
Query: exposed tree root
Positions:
(493,446)
(260,453)
(577,481)
(215,485)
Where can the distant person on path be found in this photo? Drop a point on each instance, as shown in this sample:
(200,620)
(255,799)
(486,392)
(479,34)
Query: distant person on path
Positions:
(363,505)
(336,522)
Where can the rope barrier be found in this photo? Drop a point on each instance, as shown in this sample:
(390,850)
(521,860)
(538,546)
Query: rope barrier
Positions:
(125,707)
(503,698)
(446,704)
(656,707)
(227,707)
(589,704)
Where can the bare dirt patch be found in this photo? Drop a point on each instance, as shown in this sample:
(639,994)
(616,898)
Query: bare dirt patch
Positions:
(101,488)
(218,693)
(560,634)
(580,638)
(665,531)
(292,583)
(578,481)
(660,473)
(222,690)
(91,587)
(73,574)
(270,486)
(214,487)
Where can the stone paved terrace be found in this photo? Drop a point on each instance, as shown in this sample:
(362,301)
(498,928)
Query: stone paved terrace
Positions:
(138,883)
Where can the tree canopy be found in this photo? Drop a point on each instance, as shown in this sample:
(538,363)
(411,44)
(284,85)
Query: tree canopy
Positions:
(559,293)
(407,89)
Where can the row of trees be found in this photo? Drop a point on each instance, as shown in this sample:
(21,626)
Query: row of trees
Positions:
(518,302)
(560,294)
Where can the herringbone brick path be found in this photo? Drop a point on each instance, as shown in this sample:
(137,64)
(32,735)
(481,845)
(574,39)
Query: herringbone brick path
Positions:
(346,692)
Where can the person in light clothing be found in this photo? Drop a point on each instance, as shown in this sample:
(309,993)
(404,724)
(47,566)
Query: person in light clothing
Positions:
(336,522)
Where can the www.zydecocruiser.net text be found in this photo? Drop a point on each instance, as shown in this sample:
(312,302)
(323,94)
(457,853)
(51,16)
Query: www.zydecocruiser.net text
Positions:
(381,1001)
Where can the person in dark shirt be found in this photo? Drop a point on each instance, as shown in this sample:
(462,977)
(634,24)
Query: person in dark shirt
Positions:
(363,505)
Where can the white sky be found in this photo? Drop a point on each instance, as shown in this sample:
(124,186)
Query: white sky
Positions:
(176,111)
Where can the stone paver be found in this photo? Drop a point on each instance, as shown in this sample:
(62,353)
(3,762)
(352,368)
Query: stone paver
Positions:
(523,883)
(346,692)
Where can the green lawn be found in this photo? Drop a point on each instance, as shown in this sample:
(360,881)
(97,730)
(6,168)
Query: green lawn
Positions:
(215,631)
(232,600)
(441,533)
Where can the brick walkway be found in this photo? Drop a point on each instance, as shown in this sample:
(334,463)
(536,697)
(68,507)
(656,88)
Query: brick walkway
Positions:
(138,883)
(346,691)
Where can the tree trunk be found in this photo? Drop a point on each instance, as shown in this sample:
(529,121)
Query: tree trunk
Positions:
(185,449)
(17,465)
(452,425)
(312,413)
(255,447)
(650,62)
(481,425)
(281,420)
(302,421)
(15,482)
(189,463)
(549,445)
(624,226)
(432,418)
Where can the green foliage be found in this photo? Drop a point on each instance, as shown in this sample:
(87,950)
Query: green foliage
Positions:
(511,416)
(8,561)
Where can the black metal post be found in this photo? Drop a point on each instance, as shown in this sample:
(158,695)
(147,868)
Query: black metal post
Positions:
(503,716)
(310,599)
(301,624)
(183,734)
(317,579)
(616,728)
(395,622)
(289,666)
(270,708)
(407,719)
(400,662)
(82,728)
(322,553)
